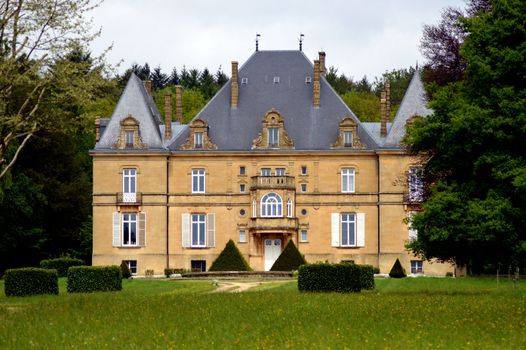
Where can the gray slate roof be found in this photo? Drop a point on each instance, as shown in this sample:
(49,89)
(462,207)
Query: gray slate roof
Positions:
(134,101)
(414,103)
(310,128)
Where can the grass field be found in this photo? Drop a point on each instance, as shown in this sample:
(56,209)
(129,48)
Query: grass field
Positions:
(413,313)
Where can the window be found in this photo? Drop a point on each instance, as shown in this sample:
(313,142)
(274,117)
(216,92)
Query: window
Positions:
(242,170)
(303,212)
(129,185)
(129,139)
(347,180)
(244,81)
(242,188)
(348,225)
(242,212)
(129,229)
(308,80)
(271,205)
(417,266)
(198,140)
(242,236)
(303,170)
(273,137)
(132,265)
(347,139)
(265,171)
(198,230)
(303,187)
(415,184)
(289,208)
(413,234)
(198,181)
(303,236)
(254,209)
(280,171)
(276,80)
(198,265)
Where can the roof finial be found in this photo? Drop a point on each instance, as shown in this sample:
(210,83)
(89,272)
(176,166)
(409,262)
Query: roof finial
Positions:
(257,41)
(416,68)
(301,41)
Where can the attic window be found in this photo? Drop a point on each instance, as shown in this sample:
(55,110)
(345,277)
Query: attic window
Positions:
(276,80)
(129,135)
(308,80)
(348,135)
(244,81)
(129,139)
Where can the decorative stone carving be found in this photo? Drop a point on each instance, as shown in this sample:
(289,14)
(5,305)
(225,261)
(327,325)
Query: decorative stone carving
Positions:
(348,125)
(198,138)
(273,120)
(129,136)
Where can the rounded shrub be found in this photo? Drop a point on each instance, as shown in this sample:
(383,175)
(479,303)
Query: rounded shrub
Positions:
(290,259)
(397,271)
(230,259)
(83,279)
(61,264)
(30,281)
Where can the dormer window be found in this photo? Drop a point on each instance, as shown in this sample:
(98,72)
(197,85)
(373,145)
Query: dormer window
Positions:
(273,137)
(347,139)
(308,79)
(198,138)
(273,133)
(129,136)
(244,81)
(276,80)
(129,139)
(348,135)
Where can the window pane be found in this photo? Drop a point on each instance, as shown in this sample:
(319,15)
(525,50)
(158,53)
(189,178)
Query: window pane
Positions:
(345,233)
(202,233)
(195,233)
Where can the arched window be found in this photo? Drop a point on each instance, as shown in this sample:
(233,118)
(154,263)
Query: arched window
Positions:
(271,205)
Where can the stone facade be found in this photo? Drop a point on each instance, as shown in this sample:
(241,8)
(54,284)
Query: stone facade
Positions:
(177,206)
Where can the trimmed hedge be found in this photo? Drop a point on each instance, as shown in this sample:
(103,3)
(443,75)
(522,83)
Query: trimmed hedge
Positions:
(397,271)
(343,278)
(289,259)
(329,278)
(230,259)
(61,264)
(83,279)
(170,271)
(30,281)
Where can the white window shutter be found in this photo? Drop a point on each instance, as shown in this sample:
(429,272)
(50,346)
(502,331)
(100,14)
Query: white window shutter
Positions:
(185,222)
(211,229)
(413,234)
(360,229)
(116,229)
(335,229)
(142,229)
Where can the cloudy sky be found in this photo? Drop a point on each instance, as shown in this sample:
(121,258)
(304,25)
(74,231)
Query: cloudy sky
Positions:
(360,37)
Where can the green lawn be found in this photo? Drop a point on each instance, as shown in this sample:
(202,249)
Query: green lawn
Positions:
(400,314)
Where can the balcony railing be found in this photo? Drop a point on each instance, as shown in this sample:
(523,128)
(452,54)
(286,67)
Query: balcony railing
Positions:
(269,223)
(272,182)
(125,198)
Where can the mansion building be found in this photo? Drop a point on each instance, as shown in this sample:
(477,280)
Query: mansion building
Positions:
(276,155)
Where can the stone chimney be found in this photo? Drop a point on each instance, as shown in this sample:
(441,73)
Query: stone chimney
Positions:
(148,86)
(234,88)
(167,116)
(385,108)
(321,56)
(179,104)
(316,84)
(97,129)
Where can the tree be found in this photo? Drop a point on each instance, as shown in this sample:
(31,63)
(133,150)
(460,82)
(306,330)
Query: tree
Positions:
(207,84)
(174,77)
(33,35)
(475,209)
(220,77)
(159,79)
(290,259)
(230,259)
(365,105)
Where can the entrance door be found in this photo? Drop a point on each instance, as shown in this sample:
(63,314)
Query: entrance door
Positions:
(272,252)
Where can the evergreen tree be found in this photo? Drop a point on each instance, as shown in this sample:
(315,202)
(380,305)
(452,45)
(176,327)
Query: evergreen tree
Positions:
(184,78)
(159,79)
(174,77)
(397,271)
(230,259)
(207,84)
(290,259)
(220,77)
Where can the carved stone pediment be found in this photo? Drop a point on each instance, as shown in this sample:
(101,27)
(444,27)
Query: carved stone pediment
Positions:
(129,135)
(273,134)
(198,138)
(348,135)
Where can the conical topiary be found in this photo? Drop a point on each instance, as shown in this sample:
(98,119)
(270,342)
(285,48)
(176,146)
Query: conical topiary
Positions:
(397,271)
(126,272)
(230,259)
(290,259)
